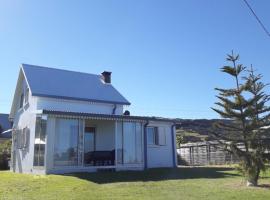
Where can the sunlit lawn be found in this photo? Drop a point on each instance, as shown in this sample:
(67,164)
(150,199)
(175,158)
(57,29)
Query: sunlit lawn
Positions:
(182,183)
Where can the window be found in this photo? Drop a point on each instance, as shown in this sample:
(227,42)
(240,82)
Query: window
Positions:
(162,136)
(152,135)
(21,100)
(89,143)
(129,143)
(66,142)
(26,99)
(39,147)
(156,136)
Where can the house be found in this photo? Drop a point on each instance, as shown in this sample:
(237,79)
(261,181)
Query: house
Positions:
(5,127)
(66,121)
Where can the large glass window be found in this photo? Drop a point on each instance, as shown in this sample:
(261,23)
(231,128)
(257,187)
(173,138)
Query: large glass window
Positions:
(66,142)
(119,148)
(40,135)
(89,144)
(129,142)
(139,152)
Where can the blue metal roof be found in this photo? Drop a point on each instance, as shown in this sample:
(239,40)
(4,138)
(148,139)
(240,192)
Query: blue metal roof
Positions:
(58,83)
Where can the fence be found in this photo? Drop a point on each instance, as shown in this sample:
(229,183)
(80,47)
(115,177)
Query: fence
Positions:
(204,153)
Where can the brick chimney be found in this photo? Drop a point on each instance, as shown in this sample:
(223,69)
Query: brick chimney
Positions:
(106,76)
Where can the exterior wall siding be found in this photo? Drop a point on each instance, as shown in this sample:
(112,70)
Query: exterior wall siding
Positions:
(77,106)
(25,118)
(161,156)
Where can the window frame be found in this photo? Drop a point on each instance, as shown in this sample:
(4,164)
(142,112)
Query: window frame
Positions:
(56,162)
(26,96)
(94,134)
(155,136)
(21,103)
(39,147)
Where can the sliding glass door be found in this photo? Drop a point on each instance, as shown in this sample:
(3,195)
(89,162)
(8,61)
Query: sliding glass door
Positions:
(66,142)
(129,143)
(89,144)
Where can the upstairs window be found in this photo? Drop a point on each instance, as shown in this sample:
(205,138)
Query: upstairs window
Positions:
(26,99)
(21,100)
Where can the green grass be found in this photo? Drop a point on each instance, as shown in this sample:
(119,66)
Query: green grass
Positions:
(182,183)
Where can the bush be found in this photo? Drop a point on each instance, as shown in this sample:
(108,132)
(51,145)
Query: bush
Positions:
(5,154)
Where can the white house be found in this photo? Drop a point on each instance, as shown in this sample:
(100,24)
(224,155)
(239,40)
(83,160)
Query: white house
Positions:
(66,121)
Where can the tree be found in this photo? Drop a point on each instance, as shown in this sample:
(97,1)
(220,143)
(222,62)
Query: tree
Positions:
(247,135)
(179,140)
(5,154)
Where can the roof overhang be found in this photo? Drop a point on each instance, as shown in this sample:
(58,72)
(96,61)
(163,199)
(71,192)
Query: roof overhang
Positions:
(107,117)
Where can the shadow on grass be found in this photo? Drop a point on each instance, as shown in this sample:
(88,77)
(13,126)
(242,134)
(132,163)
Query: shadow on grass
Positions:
(155,175)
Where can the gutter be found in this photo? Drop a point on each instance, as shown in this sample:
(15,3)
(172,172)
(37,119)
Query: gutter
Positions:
(173,145)
(145,144)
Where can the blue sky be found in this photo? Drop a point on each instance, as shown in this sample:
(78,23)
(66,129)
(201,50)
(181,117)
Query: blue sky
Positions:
(165,55)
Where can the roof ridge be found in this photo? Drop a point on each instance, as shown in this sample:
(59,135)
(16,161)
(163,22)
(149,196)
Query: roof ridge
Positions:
(67,70)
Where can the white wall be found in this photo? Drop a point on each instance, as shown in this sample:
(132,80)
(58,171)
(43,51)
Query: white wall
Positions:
(77,106)
(161,156)
(25,117)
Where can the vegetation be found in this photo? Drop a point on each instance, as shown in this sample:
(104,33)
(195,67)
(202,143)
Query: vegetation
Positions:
(5,152)
(196,130)
(182,183)
(185,136)
(247,136)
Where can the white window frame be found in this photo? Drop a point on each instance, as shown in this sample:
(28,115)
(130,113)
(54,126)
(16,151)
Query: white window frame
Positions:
(162,137)
(26,96)
(155,136)
(159,133)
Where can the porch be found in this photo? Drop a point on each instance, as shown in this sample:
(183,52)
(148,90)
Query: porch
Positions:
(80,144)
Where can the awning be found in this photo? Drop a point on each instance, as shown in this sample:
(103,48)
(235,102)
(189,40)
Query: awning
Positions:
(96,116)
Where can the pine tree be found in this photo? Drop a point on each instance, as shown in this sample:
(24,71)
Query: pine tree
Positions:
(246,135)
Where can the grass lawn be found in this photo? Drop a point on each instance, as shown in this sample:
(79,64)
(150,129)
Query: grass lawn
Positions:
(182,183)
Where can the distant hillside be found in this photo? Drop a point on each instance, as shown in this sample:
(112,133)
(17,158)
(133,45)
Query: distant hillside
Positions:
(197,130)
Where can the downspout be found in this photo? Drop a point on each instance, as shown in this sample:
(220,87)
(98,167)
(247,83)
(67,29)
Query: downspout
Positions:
(173,145)
(114,109)
(145,144)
